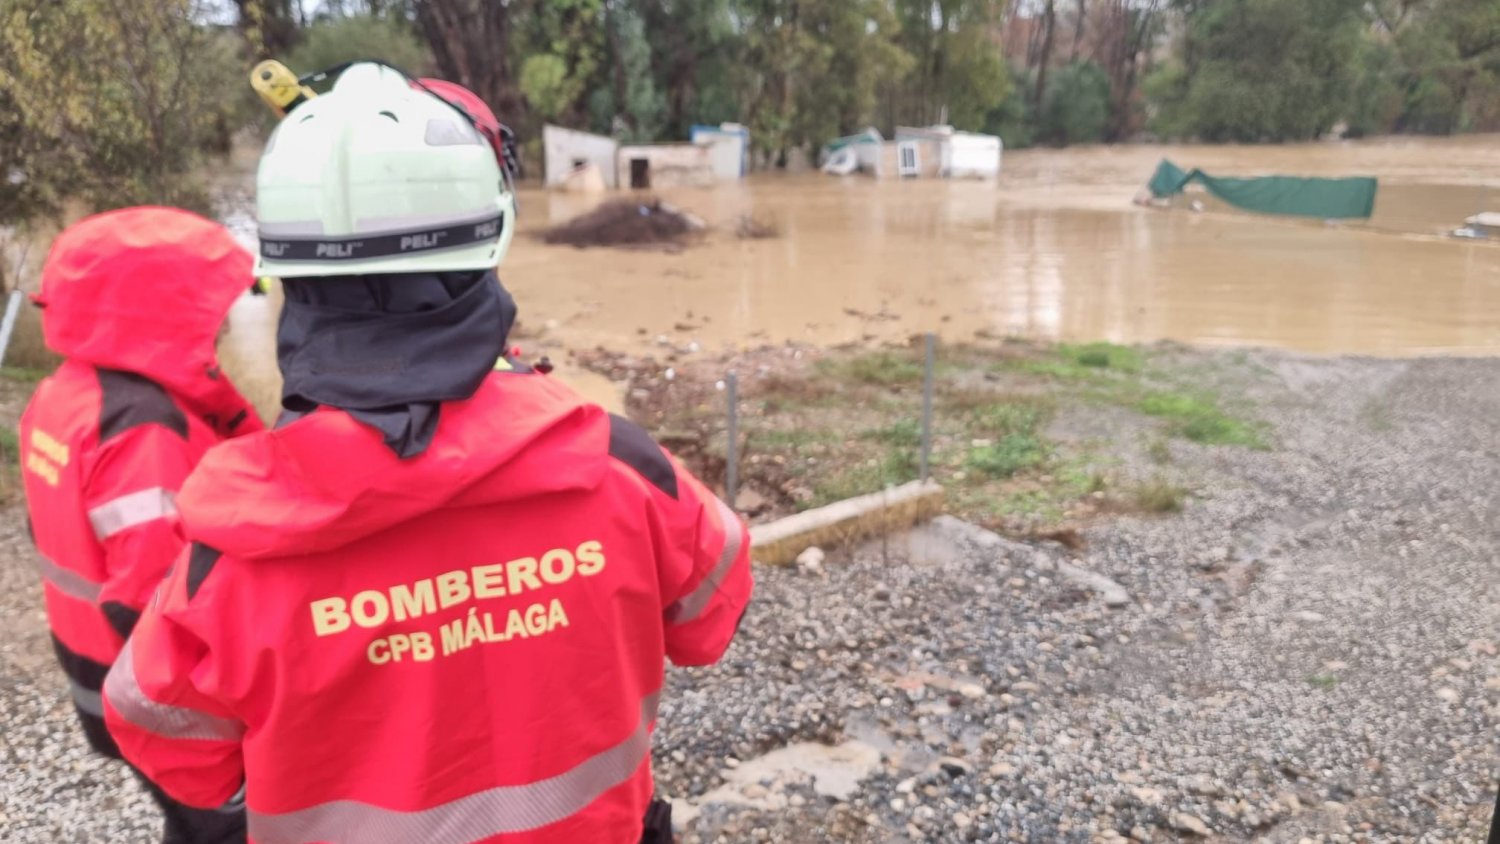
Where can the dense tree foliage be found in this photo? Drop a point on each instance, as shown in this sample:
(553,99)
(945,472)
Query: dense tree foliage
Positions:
(104,102)
(111,102)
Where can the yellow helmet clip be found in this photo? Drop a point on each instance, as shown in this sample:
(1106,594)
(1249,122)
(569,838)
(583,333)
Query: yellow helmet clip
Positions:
(279,87)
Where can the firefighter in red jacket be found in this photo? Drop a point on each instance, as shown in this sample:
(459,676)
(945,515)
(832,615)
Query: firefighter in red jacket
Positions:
(434,604)
(133,300)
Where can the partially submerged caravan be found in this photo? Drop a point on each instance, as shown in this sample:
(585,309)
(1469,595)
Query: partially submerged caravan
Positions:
(931,152)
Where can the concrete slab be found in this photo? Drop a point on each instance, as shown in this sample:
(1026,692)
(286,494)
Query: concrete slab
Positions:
(888,511)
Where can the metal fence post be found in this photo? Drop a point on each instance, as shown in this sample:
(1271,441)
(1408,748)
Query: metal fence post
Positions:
(927,378)
(731,467)
(8,324)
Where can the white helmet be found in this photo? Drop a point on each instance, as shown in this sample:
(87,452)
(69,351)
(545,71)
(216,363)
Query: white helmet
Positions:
(378,177)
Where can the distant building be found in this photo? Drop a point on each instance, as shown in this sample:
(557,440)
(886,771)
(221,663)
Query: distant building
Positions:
(931,152)
(667,165)
(729,145)
(714,153)
(568,150)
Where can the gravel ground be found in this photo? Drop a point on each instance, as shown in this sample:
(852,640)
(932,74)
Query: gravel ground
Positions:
(1309,653)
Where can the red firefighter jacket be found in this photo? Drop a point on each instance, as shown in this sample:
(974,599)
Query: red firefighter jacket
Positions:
(464,646)
(133,299)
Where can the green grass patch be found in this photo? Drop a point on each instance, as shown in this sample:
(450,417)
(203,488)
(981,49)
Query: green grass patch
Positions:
(24,374)
(1158,495)
(1326,682)
(1200,419)
(1003,418)
(887,367)
(1085,362)
(864,477)
(1007,456)
(903,433)
(1103,356)
(791,438)
(10,446)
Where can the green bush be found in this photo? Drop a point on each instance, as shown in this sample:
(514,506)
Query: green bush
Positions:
(1075,109)
(332,42)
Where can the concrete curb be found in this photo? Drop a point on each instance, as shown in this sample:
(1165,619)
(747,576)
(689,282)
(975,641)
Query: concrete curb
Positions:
(887,511)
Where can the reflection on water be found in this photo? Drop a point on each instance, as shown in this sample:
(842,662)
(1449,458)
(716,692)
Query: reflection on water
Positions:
(1054,251)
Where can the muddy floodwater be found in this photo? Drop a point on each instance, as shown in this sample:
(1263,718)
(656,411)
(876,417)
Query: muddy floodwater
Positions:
(1054,250)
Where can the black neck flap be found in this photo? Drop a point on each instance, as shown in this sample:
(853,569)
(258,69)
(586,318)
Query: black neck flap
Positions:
(389,349)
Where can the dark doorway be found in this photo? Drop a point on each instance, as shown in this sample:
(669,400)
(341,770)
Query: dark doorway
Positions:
(640,173)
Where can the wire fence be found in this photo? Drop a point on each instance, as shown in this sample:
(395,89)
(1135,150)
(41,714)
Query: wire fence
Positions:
(736,429)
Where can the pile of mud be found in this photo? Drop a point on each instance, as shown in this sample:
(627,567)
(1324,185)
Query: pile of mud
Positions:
(647,222)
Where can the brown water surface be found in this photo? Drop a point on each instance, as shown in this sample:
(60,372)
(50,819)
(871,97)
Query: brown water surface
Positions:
(1055,250)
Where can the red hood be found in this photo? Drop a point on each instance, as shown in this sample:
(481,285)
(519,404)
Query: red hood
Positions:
(146,290)
(326,480)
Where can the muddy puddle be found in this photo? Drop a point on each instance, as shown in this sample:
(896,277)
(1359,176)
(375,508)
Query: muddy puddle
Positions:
(1054,251)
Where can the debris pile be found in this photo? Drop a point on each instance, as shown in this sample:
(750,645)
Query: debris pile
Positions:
(645,222)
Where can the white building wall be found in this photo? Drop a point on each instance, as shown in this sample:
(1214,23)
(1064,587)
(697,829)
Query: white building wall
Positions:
(563,148)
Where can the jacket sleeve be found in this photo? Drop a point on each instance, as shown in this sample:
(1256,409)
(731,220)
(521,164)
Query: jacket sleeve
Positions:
(705,572)
(130,496)
(167,724)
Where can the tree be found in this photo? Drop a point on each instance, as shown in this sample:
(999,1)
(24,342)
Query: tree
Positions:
(1044,54)
(1261,70)
(693,50)
(334,41)
(957,64)
(1125,32)
(809,71)
(471,43)
(563,42)
(1076,107)
(124,127)
(630,105)
(269,25)
(1450,50)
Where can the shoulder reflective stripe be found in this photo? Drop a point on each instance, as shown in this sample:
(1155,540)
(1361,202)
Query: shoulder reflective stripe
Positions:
(506,809)
(173,722)
(67,581)
(86,700)
(136,508)
(691,606)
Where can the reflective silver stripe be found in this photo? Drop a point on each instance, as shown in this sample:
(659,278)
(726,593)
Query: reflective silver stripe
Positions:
(495,811)
(690,607)
(173,722)
(67,581)
(132,509)
(87,700)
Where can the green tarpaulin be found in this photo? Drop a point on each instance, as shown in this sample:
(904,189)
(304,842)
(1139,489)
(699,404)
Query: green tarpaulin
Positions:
(1324,198)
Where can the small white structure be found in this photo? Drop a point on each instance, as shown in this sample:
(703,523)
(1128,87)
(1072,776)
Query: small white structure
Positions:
(729,148)
(666,165)
(950,153)
(971,155)
(568,150)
